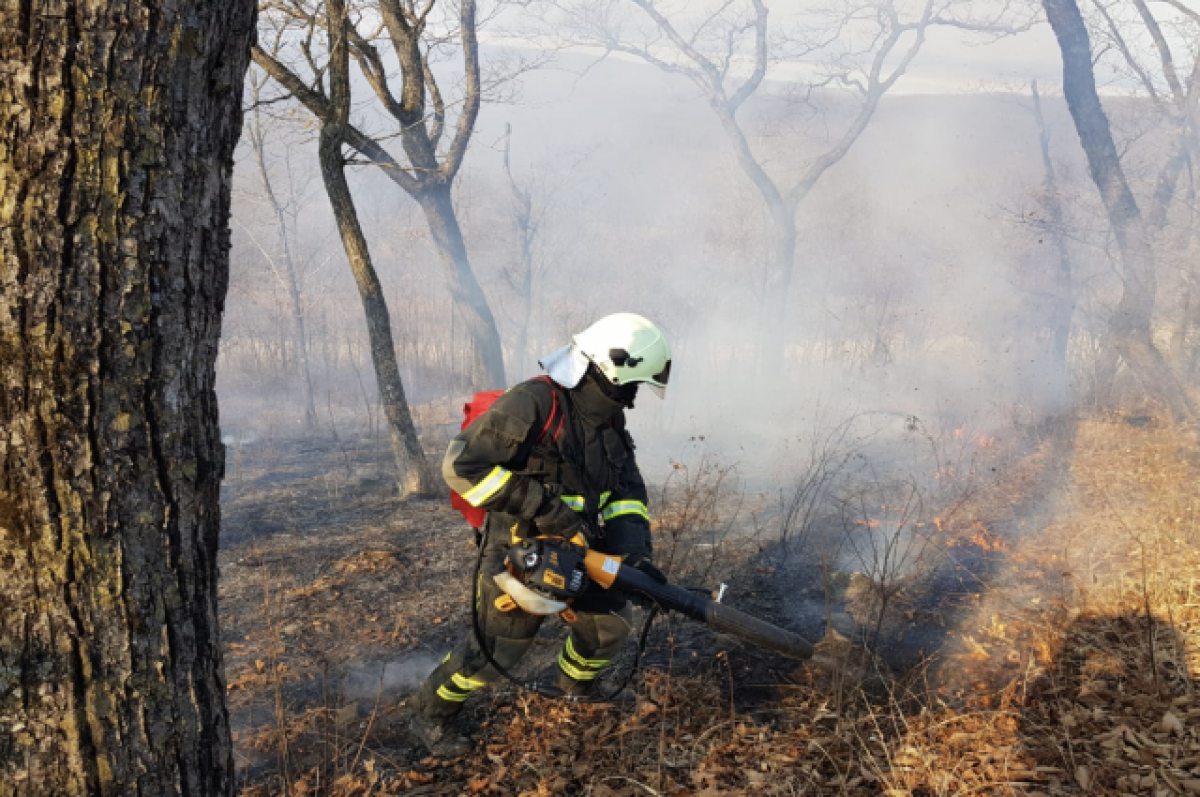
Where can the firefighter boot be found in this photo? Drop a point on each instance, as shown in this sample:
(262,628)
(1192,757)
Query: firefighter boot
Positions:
(590,647)
(439,738)
(593,692)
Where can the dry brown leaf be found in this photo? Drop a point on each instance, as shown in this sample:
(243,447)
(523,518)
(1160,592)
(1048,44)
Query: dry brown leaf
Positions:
(1171,724)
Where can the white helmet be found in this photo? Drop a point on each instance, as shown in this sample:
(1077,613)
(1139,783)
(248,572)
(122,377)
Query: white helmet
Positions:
(627,348)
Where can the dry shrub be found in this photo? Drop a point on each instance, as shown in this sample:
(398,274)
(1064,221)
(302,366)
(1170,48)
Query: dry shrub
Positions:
(698,505)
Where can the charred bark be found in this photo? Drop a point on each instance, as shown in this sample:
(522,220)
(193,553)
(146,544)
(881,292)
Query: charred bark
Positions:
(118,124)
(1130,325)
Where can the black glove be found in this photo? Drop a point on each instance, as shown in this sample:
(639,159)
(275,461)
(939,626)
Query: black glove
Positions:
(563,521)
(641,561)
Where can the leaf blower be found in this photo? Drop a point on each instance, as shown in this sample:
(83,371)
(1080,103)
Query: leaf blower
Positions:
(544,574)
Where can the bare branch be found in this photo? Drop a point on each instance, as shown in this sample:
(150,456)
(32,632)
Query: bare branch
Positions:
(1119,40)
(470,104)
(439,104)
(760,58)
(1180,7)
(316,102)
(1164,50)
(705,66)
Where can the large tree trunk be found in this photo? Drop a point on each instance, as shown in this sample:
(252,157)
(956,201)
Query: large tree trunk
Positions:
(415,478)
(117,127)
(488,364)
(1131,322)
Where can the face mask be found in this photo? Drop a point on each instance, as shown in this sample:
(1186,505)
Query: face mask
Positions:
(623,394)
(616,396)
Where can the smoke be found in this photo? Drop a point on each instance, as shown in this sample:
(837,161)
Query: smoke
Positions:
(908,297)
(389,679)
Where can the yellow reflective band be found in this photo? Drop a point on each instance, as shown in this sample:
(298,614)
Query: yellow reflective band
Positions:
(595,663)
(453,697)
(448,655)
(619,508)
(604,498)
(491,485)
(463,682)
(576,502)
(578,675)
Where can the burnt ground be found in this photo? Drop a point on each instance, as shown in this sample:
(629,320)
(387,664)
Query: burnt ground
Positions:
(337,599)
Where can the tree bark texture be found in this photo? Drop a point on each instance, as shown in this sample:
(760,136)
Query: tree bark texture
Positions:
(1131,321)
(117,126)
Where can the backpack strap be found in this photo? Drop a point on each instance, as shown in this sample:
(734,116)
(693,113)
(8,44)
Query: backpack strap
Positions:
(554,410)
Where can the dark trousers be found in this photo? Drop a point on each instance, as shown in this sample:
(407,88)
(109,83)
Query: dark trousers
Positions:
(601,626)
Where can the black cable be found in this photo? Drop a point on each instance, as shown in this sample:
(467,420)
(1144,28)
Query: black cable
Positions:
(481,641)
(643,638)
(476,596)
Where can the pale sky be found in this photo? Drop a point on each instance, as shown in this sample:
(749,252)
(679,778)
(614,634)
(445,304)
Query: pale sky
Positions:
(951,61)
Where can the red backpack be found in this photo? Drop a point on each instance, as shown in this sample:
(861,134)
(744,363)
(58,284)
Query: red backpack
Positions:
(473,411)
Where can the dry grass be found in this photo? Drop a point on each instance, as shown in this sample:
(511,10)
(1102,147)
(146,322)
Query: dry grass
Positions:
(1071,670)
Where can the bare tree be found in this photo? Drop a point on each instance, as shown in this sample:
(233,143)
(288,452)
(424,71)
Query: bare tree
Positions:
(1136,43)
(1131,323)
(709,52)
(522,273)
(119,123)
(295,58)
(415,477)
(535,197)
(1062,284)
(288,276)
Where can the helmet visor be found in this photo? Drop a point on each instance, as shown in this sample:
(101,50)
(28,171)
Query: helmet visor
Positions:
(658,382)
(663,376)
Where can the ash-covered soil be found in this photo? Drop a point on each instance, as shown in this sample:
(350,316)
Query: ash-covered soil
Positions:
(1050,645)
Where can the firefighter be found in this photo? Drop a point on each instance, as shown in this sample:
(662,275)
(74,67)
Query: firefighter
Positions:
(552,457)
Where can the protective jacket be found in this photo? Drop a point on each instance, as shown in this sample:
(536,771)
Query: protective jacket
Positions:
(543,458)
